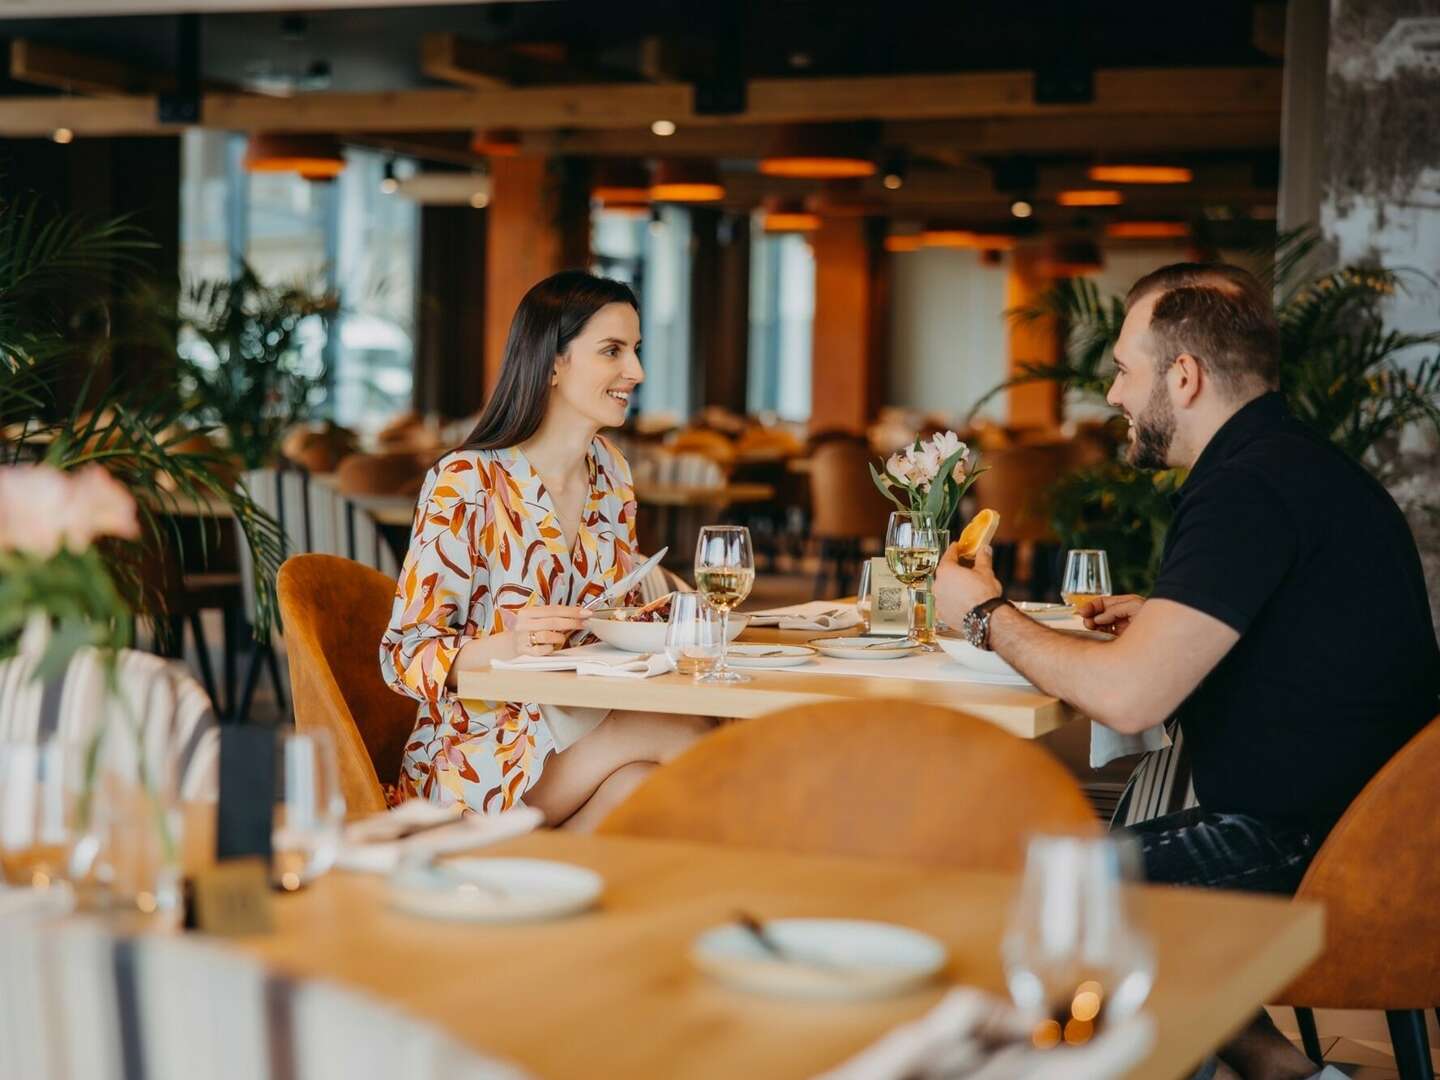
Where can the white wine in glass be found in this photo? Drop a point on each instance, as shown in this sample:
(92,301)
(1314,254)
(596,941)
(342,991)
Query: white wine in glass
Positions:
(912,551)
(724,575)
(1087,577)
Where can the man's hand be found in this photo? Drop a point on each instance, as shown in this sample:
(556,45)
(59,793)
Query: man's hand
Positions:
(959,588)
(1111,614)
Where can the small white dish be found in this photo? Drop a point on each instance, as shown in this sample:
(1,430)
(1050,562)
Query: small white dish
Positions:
(756,655)
(864,647)
(836,959)
(494,890)
(643,637)
(968,656)
(1045,612)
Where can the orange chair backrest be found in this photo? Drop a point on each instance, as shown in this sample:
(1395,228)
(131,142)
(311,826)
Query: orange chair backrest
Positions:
(334,612)
(875,779)
(1015,483)
(1378,875)
(711,444)
(398,473)
(844,501)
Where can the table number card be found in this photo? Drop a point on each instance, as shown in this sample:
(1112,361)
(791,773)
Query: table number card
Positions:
(888,598)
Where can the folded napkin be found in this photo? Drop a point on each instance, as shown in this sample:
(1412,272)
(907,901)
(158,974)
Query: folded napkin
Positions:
(594,659)
(816,615)
(1106,744)
(420,828)
(969,1034)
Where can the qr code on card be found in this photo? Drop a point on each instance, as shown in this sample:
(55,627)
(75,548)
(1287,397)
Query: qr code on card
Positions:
(889,600)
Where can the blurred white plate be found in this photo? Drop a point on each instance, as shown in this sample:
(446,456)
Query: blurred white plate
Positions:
(864,648)
(968,656)
(769,656)
(494,890)
(832,958)
(1045,612)
(643,637)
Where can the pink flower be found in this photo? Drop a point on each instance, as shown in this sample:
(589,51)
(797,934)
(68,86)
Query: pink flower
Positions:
(43,509)
(899,466)
(927,462)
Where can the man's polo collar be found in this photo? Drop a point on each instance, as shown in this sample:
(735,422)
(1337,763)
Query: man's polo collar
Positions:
(1250,420)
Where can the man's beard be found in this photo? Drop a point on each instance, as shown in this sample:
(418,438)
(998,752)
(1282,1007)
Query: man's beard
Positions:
(1154,431)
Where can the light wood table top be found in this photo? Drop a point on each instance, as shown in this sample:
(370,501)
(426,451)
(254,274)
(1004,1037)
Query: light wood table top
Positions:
(688,495)
(612,993)
(1023,712)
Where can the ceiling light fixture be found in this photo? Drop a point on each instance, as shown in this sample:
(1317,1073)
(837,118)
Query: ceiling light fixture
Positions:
(1090,197)
(388,184)
(663,128)
(1141,174)
(496,142)
(686,181)
(1147,230)
(901,242)
(788,216)
(314,157)
(818,152)
(1021,209)
(479,200)
(63,135)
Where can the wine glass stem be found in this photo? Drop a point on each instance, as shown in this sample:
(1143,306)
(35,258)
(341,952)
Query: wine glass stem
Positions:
(720,668)
(914,594)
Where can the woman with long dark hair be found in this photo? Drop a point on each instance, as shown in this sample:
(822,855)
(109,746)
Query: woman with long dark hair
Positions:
(530,518)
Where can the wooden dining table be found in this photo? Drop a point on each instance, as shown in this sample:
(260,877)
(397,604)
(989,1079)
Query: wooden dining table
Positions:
(612,993)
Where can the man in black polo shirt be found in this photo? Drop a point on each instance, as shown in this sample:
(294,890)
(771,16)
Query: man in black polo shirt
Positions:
(1289,627)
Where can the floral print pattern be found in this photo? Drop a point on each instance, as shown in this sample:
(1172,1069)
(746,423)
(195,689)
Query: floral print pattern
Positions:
(486,542)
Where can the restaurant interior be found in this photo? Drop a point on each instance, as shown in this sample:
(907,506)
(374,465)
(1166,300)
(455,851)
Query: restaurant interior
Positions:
(258,267)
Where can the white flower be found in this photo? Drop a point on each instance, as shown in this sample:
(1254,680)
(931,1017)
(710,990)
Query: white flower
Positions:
(899,466)
(43,509)
(927,462)
(946,443)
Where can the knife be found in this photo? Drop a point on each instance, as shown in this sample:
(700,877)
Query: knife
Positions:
(626,583)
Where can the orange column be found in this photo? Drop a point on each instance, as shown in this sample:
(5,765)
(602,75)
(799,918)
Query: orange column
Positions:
(1038,341)
(846,364)
(523,245)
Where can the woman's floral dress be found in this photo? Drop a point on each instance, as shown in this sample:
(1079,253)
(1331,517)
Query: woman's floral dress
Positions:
(486,542)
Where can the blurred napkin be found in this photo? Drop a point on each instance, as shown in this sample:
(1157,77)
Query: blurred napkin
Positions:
(816,615)
(1106,744)
(596,658)
(421,828)
(977,1036)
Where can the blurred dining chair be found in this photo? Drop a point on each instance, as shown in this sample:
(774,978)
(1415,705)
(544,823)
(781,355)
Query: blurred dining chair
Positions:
(1378,876)
(710,444)
(1015,484)
(873,778)
(397,473)
(319,448)
(335,612)
(846,510)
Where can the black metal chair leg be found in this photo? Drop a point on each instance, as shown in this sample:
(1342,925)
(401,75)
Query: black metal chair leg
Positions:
(253,661)
(273,665)
(231,628)
(202,656)
(1411,1043)
(1309,1037)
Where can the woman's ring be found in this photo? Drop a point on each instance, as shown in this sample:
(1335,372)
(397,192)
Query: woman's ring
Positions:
(533,642)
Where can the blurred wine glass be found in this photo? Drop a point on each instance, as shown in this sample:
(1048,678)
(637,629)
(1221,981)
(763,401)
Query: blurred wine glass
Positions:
(309,809)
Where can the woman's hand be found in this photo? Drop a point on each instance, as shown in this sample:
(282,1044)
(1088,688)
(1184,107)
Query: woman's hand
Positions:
(1111,614)
(540,629)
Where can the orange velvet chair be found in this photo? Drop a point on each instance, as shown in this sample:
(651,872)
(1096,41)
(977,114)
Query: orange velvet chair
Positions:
(1378,875)
(876,779)
(335,612)
(846,509)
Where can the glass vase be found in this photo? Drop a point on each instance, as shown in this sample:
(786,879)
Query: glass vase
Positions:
(926,620)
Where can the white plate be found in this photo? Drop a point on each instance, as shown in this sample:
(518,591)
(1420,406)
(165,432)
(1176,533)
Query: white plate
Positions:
(851,958)
(769,656)
(967,656)
(644,637)
(494,890)
(1045,612)
(854,648)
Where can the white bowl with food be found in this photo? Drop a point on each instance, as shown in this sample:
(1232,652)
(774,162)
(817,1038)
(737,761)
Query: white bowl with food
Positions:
(642,629)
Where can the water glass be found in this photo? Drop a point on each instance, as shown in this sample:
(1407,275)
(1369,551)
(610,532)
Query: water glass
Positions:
(724,575)
(1073,953)
(40,791)
(862,596)
(1087,576)
(693,636)
(309,809)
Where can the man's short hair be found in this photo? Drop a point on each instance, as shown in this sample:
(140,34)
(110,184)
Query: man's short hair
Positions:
(1221,315)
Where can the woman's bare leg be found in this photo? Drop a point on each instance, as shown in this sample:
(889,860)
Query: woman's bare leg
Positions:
(624,737)
(613,790)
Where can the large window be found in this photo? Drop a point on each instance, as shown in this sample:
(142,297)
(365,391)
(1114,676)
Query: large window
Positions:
(782,320)
(345,235)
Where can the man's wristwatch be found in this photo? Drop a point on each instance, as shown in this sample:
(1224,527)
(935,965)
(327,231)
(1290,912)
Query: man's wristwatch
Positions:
(976,624)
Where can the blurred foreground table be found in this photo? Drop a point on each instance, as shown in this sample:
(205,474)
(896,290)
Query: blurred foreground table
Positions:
(611,993)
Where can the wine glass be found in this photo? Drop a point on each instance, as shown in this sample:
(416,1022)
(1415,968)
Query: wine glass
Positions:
(40,787)
(1074,956)
(309,809)
(693,637)
(862,596)
(724,575)
(1087,577)
(912,551)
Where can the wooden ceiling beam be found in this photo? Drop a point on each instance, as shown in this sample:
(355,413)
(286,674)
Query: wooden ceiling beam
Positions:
(485,66)
(77,73)
(1131,92)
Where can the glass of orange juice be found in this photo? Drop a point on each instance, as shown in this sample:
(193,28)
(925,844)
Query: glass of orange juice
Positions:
(1087,576)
